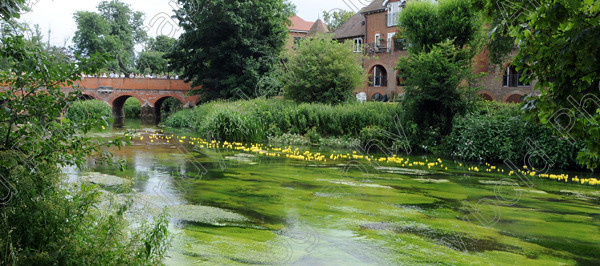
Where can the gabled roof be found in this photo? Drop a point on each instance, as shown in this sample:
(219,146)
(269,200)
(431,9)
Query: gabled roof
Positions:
(299,24)
(374,7)
(353,27)
(318,27)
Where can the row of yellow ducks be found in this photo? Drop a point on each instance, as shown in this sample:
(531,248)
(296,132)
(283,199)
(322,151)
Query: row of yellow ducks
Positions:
(296,154)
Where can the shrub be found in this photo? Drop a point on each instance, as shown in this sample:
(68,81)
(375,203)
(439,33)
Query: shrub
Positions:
(340,142)
(322,70)
(181,119)
(370,133)
(497,132)
(90,109)
(230,124)
(256,120)
(290,139)
(313,136)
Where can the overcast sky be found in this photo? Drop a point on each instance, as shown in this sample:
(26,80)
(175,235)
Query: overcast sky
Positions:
(57,15)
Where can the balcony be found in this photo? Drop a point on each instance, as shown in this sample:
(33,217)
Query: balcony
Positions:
(371,48)
(397,45)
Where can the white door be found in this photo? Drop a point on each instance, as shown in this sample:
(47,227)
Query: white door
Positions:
(390,41)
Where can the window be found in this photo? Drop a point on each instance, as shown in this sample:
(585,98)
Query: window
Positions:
(512,78)
(379,77)
(377,40)
(394,9)
(296,42)
(390,41)
(358,45)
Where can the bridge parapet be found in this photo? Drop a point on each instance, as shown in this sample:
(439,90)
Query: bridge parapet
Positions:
(135,84)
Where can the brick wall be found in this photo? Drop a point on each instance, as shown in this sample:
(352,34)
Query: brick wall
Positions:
(492,82)
(376,23)
(292,35)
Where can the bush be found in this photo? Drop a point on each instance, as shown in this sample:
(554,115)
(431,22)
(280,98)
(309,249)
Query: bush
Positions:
(322,70)
(290,139)
(256,120)
(181,119)
(497,132)
(132,108)
(229,124)
(493,132)
(90,109)
(313,136)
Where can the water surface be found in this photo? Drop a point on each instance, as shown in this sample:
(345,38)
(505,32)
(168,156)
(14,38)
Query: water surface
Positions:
(236,206)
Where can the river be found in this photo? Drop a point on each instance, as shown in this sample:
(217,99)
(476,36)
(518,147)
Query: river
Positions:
(254,203)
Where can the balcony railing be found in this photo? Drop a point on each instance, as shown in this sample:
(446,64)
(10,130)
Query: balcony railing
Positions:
(374,48)
(397,45)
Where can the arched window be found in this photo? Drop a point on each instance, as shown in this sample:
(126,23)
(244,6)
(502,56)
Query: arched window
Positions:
(515,98)
(486,97)
(512,78)
(378,76)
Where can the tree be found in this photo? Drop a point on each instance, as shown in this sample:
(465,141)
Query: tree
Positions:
(152,59)
(152,62)
(162,43)
(115,30)
(34,38)
(11,8)
(44,219)
(425,24)
(558,45)
(322,70)
(335,19)
(442,40)
(227,46)
(432,97)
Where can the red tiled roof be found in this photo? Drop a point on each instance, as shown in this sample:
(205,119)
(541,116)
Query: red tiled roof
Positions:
(300,24)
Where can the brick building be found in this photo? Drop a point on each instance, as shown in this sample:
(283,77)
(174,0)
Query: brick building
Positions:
(301,28)
(373,31)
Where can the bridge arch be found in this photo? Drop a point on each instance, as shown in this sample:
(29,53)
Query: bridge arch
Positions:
(158,104)
(118,109)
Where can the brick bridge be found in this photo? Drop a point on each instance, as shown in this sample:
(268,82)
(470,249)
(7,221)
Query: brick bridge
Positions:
(151,93)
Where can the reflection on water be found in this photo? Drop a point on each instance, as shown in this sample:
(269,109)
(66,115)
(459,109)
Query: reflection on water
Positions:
(233,207)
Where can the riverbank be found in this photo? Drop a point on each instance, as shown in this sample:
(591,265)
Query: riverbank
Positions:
(491,132)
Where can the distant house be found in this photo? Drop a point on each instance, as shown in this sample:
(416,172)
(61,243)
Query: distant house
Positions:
(352,30)
(373,31)
(301,28)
